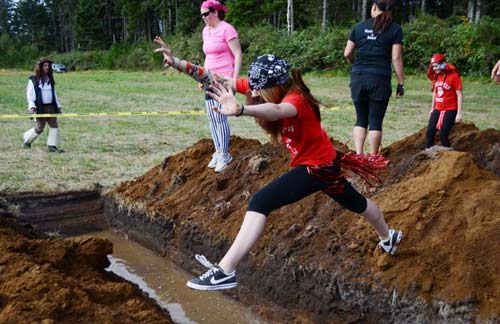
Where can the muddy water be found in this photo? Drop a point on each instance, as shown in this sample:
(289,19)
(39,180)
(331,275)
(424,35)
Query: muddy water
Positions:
(166,283)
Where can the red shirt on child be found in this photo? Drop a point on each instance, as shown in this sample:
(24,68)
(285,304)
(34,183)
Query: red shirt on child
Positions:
(303,136)
(445,87)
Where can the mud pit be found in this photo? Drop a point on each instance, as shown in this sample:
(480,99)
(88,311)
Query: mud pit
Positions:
(315,261)
(321,262)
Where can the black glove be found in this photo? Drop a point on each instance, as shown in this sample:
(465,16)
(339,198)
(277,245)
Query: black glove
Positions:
(400,90)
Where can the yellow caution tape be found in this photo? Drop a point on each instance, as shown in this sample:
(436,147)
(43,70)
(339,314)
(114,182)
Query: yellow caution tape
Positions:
(123,114)
(105,114)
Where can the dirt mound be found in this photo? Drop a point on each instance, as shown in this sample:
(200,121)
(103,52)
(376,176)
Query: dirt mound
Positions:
(53,280)
(321,260)
(447,207)
(484,145)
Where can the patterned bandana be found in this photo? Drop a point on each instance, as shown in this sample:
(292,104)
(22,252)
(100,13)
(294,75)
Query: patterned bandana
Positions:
(268,71)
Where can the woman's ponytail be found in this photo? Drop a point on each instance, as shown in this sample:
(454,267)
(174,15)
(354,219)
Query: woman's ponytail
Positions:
(382,21)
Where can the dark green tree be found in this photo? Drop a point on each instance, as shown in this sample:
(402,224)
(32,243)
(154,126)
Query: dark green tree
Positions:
(89,26)
(5,16)
(33,25)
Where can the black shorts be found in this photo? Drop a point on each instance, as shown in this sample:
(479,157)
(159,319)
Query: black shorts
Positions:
(367,88)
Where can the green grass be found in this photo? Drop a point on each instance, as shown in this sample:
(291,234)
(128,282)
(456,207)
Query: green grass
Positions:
(104,151)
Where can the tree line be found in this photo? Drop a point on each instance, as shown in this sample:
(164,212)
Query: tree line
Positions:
(31,27)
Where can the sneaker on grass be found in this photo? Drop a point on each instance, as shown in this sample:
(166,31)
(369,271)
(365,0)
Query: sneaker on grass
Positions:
(214,279)
(391,244)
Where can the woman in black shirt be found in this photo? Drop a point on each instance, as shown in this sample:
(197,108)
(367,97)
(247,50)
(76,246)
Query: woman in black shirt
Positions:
(373,44)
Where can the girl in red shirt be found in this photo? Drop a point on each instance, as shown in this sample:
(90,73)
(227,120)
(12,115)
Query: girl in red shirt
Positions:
(447,100)
(290,113)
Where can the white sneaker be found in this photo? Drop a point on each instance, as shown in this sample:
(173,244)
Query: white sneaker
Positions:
(213,162)
(391,244)
(224,160)
(214,279)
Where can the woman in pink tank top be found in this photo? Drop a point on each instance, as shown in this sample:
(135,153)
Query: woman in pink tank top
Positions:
(223,56)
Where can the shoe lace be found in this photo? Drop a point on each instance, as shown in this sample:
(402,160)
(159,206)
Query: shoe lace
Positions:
(201,259)
(208,274)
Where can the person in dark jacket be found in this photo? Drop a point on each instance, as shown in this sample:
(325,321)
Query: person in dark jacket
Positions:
(42,99)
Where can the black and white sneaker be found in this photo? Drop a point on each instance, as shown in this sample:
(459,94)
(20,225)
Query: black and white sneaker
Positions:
(214,279)
(391,244)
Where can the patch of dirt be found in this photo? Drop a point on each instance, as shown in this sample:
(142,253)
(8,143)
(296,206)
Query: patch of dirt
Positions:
(484,145)
(322,261)
(55,280)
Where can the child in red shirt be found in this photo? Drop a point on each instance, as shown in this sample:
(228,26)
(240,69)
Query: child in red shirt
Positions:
(447,100)
(290,113)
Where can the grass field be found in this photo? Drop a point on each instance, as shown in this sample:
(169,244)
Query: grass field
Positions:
(103,151)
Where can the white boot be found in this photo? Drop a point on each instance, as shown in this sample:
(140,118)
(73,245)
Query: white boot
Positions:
(29,136)
(53,140)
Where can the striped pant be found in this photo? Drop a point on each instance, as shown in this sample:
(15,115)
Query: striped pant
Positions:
(219,126)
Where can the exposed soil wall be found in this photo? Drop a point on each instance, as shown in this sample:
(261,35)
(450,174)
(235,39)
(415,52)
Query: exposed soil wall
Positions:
(320,261)
(53,280)
(71,213)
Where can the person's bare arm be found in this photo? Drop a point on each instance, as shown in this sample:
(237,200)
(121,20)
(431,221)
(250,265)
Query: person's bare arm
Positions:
(196,72)
(350,47)
(397,62)
(460,103)
(495,72)
(234,45)
(231,107)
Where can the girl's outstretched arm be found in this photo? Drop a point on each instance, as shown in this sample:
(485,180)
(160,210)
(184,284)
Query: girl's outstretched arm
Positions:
(231,107)
(196,72)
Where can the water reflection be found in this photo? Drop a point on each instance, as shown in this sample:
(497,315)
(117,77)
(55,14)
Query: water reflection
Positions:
(166,283)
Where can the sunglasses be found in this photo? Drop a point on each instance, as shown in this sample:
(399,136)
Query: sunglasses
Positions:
(205,14)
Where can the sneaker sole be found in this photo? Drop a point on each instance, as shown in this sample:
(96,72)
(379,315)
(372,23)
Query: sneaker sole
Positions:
(218,287)
(398,239)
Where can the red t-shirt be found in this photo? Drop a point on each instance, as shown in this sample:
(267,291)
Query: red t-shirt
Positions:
(445,87)
(303,136)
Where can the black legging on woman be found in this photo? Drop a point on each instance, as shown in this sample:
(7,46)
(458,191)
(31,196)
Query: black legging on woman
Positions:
(444,132)
(297,184)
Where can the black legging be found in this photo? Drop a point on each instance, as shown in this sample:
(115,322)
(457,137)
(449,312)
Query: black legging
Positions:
(371,113)
(444,132)
(297,184)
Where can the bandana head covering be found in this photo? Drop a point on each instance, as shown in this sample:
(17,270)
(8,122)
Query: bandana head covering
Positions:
(438,58)
(43,60)
(213,4)
(268,71)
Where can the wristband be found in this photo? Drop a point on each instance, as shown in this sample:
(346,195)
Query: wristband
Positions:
(242,110)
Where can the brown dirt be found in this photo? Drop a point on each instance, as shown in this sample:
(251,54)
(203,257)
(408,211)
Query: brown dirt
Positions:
(54,280)
(446,203)
(316,259)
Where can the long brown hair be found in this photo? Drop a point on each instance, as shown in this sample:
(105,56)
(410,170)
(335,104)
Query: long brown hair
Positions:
(276,95)
(40,75)
(383,20)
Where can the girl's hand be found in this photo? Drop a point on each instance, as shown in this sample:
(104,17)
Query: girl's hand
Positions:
(160,42)
(225,96)
(165,50)
(458,118)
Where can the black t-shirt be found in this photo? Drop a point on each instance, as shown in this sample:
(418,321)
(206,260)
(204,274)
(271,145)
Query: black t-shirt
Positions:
(374,51)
